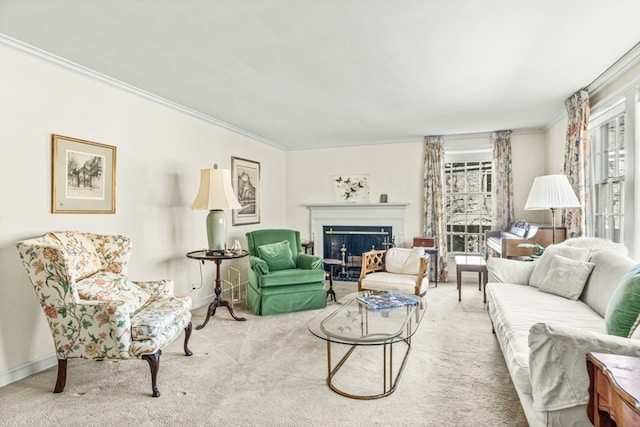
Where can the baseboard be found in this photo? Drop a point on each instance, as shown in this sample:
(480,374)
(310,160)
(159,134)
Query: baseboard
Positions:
(28,369)
(202,301)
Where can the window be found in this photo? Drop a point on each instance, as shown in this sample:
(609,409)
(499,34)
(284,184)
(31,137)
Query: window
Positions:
(608,158)
(468,205)
(614,138)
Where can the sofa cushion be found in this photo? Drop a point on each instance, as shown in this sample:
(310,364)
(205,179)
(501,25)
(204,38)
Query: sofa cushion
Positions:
(542,265)
(515,308)
(83,257)
(278,256)
(610,267)
(624,306)
(504,270)
(566,277)
(294,276)
(156,317)
(595,243)
(384,281)
(107,286)
(403,260)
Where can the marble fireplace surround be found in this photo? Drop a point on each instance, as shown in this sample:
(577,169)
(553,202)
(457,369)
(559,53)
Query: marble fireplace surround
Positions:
(356,214)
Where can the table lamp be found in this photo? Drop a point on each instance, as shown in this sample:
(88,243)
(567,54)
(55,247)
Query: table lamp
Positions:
(216,194)
(551,192)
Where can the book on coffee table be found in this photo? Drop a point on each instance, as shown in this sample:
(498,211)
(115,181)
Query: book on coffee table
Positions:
(388,300)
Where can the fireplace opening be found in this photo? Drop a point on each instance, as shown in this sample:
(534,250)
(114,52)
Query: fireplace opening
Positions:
(348,243)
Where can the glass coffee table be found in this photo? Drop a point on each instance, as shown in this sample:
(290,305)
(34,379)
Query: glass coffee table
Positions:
(355,324)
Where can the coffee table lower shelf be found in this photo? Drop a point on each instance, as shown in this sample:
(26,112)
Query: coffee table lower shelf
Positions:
(389,381)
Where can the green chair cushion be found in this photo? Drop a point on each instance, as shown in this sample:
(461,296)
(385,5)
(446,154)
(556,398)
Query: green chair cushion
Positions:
(278,256)
(294,276)
(624,305)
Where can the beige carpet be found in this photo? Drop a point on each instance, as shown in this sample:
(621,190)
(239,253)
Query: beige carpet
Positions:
(270,371)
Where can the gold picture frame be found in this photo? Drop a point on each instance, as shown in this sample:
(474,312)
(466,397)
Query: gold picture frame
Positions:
(83,176)
(245,178)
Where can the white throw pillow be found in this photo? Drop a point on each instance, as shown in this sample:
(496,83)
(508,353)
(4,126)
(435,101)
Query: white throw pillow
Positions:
(403,260)
(543,264)
(566,277)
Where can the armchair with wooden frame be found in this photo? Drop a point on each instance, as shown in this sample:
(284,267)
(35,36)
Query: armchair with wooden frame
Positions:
(395,270)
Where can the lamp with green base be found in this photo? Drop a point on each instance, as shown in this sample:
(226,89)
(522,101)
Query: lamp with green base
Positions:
(216,194)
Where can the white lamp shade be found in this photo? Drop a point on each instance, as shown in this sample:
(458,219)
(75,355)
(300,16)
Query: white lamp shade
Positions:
(215,191)
(551,192)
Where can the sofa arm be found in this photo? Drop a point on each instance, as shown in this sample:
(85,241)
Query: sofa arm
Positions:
(91,330)
(309,262)
(557,363)
(504,270)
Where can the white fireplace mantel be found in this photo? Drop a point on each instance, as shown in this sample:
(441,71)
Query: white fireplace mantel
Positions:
(365,214)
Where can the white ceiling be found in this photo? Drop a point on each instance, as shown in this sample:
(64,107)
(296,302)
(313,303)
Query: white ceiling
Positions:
(306,74)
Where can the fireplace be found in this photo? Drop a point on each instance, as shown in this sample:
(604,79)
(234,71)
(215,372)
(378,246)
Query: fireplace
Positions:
(359,218)
(347,243)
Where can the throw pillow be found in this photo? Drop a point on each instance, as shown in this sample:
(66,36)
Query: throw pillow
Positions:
(635,330)
(403,260)
(624,306)
(278,256)
(542,265)
(566,277)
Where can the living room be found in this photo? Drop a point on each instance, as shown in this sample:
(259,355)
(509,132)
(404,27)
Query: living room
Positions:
(161,148)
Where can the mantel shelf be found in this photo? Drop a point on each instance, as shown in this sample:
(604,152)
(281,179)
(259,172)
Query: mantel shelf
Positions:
(353,205)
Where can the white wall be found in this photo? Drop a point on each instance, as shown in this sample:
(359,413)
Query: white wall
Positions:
(395,169)
(159,154)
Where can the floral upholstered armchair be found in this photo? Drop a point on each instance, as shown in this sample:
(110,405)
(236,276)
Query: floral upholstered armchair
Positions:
(93,309)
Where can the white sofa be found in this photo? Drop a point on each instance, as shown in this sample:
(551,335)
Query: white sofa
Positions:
(544,337)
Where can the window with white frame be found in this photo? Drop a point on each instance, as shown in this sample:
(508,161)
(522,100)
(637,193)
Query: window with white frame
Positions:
(467,200)
(614,134)
(608,159)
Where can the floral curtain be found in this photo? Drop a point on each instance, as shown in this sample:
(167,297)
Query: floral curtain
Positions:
(502,180)
(576,162)
(434,212)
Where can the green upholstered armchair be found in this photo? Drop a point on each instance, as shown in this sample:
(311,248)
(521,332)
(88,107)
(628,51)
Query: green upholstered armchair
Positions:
(282,278)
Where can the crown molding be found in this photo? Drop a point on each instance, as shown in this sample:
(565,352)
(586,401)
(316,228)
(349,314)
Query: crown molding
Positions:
(414,139)
(80,69)
(611,74)
(621,66)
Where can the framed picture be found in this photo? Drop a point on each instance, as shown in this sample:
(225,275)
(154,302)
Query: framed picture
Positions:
(245,176)
(83,176)
(352,188)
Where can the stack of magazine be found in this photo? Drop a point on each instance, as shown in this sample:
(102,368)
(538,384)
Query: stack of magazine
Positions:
(388,300)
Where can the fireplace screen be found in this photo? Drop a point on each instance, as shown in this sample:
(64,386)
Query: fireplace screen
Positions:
(347,243)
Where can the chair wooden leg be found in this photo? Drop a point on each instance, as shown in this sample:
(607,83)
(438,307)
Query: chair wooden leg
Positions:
(187,335)
(62,376)
(154,364)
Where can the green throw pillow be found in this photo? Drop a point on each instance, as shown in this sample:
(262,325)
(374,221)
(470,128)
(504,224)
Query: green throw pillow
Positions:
(624,305)
(278,256)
